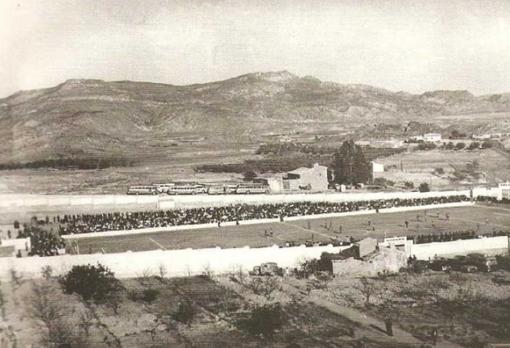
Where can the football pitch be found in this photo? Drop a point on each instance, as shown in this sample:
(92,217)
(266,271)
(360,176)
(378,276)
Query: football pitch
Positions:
(480,218)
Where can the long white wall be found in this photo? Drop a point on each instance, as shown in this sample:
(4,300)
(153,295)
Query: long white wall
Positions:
(191,262)
(176,262)
(206,200)
(17,201)
(261,221)
(490,245)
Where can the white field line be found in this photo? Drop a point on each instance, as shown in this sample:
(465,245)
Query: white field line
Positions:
(309,230)
(262,221)
(157,243)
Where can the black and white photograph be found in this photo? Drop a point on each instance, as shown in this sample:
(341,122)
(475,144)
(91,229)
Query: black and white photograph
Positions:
(254,173)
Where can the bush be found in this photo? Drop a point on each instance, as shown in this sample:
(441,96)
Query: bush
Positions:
(424,187)
(264,286)
(474,145)
(95,283)
(185,312)
(486,144)
(460,146)
(150,295)
(147,295)
(264,320)
(383,182)
(426,146)
(449,146)
(503,262)
(439,170)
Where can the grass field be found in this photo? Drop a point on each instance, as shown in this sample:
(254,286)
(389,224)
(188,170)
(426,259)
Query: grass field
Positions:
(480,218)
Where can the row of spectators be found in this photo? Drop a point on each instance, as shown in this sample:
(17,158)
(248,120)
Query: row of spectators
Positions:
(86,223)
(443,237)
(492,200)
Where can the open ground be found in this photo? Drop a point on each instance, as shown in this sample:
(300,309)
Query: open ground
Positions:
(423,166)
(480,218)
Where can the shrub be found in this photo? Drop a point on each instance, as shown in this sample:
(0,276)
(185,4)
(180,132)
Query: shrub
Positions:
(486,144)
(264,320)
(460,146)
(264,286)
(150,295)
(409,184)
(185,312)
(474,145)
(95,283)
(424,187)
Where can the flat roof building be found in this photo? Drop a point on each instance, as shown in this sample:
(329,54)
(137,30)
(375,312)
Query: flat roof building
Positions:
(314,179)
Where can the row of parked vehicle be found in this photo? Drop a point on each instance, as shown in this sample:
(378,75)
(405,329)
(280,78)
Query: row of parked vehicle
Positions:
(197,188)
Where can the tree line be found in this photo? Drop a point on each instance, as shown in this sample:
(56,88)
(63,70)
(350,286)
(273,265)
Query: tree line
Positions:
(71,163)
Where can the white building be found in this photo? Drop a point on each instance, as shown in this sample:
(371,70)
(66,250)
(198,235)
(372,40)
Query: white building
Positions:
(505,189)
(432,137)
(377,167)
(313,179)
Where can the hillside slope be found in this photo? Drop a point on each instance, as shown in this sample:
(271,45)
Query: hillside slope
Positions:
(97,118)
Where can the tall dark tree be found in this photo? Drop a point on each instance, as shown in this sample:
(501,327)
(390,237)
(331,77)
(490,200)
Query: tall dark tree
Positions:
(350,165)
(95,283)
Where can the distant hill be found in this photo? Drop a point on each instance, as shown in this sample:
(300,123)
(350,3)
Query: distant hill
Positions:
(94,118)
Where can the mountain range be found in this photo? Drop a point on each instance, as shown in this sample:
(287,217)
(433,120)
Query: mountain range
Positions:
(83,117)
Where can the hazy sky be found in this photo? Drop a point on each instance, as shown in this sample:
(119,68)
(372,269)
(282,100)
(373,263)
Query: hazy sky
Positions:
(399,45)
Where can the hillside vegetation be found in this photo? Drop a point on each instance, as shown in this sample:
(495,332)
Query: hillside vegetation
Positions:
(148,121)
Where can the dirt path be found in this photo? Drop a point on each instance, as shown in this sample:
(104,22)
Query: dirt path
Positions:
(376,327)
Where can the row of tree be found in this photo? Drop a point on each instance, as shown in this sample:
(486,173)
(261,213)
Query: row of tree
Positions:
(458,146)
(71,163)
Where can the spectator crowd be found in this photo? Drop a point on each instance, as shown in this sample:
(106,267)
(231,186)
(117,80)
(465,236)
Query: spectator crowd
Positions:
(86,223)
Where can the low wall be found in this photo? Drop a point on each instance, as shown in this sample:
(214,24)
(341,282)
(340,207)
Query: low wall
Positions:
(176,262)
(41,202)
(489,245)
(209,201)
(494,192)
(261,221)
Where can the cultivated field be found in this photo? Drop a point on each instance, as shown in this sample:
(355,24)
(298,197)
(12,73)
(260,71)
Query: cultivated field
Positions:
(215,311)
(178,166)
(481,219)
(420,166)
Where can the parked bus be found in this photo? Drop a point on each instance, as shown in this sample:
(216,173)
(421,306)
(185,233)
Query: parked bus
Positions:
(187,189)
(142,190)
(252,188)
(221,189)
(163,188)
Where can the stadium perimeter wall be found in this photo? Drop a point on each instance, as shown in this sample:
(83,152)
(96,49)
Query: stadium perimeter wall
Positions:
(489,246)
(176,262)
(261,221)
(187,262)
(47,203)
